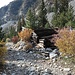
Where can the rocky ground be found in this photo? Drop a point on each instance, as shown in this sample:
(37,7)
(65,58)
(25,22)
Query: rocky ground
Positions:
(36,62)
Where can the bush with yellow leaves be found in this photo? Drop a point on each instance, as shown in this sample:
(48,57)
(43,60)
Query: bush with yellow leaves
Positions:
(25,34)
(66,41)
(2,52)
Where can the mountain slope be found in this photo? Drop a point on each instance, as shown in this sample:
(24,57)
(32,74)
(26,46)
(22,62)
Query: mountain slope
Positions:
(15,9)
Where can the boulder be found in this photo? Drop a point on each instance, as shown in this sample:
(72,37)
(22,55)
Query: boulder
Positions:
(46,73)
(20,43)
(40,45)
(32,68)
(56,52)
(20,47)
(52,55)
(48,70)
(49,49)
(28,46)
(9,44)
(66,69)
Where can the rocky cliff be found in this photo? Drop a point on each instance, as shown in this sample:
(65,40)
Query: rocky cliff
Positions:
(15,9)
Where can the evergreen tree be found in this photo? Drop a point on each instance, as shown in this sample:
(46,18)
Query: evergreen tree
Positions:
(55,22)
(70,17)
(1,34)
(42,15)
(65,15)
(63,5)
(30,19)
(11,32)
(66,18)
(23,22)
(56,6)
(19,26)
(59,20)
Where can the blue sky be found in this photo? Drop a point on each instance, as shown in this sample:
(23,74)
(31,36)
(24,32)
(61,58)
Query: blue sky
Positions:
(4,2)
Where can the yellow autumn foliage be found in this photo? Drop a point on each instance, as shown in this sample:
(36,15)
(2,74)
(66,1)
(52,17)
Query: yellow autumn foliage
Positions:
(66,41)
(2,52)
(25,34)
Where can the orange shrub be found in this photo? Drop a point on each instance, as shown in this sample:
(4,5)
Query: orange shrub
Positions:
(66,41)
(25,34)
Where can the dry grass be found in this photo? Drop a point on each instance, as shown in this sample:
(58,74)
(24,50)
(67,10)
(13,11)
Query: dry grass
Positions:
(2,52)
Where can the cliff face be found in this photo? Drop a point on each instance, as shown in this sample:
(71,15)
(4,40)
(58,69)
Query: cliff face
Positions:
(15,9)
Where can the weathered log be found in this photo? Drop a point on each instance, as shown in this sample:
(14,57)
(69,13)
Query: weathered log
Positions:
(44,32)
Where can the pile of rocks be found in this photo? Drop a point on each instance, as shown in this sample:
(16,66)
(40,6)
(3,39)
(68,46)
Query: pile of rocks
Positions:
(21,45)
(34,61)
(27,46)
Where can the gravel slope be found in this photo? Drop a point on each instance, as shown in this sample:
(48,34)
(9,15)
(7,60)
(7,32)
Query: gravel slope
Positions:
(31,63)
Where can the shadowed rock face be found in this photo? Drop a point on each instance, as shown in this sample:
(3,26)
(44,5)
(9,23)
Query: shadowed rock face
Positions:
(73,5)
(15,9)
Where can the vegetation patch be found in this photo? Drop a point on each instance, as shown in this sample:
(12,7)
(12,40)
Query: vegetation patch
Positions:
(66,41)
(2,52)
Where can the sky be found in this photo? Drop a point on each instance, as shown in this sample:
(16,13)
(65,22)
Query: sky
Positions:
(4,2)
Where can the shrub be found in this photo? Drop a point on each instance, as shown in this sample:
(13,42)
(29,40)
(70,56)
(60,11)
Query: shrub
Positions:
(25,34)
(66,41)
(15,39)
(2,52)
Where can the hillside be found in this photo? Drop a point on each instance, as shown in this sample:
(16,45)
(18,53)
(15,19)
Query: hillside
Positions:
(37,41)
(15,9)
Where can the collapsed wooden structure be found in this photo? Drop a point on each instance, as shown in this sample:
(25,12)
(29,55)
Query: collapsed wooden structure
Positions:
(46,34)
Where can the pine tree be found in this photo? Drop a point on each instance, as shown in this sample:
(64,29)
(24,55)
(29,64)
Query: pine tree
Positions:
(19,26)
(42,15)
(56,6)
(23,22)
(65,15)
(12,32)
(1,34)
(30,19)
(70,17)
(55,22)
(63,5)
